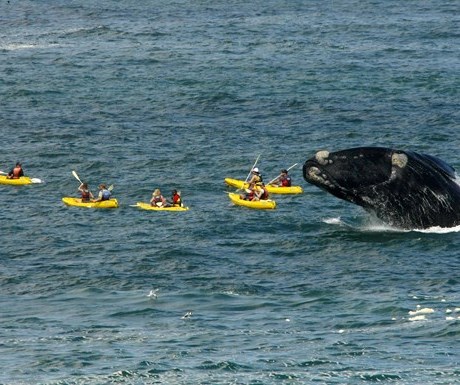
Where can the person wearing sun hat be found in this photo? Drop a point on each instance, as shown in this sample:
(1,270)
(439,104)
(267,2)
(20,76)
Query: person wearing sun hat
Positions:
(256,177)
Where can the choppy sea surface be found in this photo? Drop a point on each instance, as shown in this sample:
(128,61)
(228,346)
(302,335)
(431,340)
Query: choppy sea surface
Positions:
(181,94)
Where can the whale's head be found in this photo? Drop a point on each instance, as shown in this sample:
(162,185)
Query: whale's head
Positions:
(402,188)
(349,173)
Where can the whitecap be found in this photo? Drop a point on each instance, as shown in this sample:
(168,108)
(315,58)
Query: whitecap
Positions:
(333,221)
(425,310)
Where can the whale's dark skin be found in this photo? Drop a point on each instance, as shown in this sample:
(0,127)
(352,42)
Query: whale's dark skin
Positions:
(404,189)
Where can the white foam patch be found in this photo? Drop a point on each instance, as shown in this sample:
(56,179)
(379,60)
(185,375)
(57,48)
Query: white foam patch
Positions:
(24,46)
(440,230)
(419,311)
(374,225)
(380,227)
(333,221)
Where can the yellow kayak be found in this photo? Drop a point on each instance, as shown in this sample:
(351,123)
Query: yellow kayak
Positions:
(239,184)
(18,182)
(76,202)
(267,204)
(148,206)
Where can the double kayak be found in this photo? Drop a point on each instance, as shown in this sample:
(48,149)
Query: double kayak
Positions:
(272,189)
(23,180)
(76,202)
(267,204)
(148,206)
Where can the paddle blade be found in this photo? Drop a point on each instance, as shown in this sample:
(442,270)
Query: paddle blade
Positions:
(36,180)
(74,173)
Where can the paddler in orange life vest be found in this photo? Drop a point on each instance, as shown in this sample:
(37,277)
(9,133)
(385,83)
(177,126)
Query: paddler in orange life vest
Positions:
(86,195)
(16,172)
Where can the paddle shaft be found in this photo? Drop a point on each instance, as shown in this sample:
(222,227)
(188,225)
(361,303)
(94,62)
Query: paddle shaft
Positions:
(252,168)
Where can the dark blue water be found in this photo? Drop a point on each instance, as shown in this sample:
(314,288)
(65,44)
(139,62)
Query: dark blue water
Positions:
(146,95)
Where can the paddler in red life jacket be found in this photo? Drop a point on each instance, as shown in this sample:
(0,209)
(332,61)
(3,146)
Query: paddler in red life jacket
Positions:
(158,199)
(16,172)
(248,194)
(176,199)
(260,192)
(86,195)
(284,180)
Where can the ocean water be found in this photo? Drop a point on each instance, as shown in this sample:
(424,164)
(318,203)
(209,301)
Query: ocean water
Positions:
(182,94)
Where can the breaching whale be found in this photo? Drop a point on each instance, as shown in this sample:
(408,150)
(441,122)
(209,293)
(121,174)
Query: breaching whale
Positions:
(404,189)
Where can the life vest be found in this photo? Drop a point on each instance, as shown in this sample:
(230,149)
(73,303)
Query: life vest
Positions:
(256,178)
(286,182)
(249,196)
(106,194)
(157,199)
(17,172)
(176,200)
(264,194)
(85,196)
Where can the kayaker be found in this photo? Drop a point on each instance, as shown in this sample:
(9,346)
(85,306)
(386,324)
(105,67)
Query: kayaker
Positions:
(86,195)
(158,199)
(256,177)
(283,180)
(176,199)
(260,192)
(104,193)
(248,194)
(252,193)
(16,172)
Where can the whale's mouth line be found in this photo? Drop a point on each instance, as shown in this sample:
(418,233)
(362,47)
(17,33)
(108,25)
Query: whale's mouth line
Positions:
(319,177)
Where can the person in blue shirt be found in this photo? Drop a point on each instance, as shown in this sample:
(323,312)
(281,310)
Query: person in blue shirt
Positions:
(104,193)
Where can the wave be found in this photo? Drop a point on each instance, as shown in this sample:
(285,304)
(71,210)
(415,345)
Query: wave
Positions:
(374,226)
